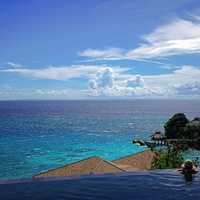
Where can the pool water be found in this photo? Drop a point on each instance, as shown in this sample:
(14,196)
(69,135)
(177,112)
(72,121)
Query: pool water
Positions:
(161,185)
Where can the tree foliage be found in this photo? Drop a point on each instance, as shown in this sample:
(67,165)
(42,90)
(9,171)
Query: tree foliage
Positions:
(177,127)
(174,127)
(167,158)
(192,129)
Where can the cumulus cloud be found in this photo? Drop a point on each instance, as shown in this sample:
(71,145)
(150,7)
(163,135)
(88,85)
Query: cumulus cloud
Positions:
(115,81)
(103,81)
(137,81)
(183,81)
(108,82)
(177,37)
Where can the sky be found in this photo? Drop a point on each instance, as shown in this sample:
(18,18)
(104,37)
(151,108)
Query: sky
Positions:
(94,49)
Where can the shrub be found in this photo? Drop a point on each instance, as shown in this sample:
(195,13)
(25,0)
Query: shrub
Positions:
(167,158)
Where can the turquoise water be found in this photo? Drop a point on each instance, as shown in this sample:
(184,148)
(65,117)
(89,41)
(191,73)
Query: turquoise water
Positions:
(157,185)
(39,135)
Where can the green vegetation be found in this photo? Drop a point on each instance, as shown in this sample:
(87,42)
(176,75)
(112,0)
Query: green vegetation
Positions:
(167,158)
(192,129)
(177,127)
(174,127)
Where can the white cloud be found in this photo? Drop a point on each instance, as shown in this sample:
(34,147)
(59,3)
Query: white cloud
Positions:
(13,65)
(190,88)
(174,83)
(111,53)
(184,81)
(104,78)
(56,73)
(19,93)
(114,81)
(60,73)
(60,93)
(103,81)
(108,82)
(52,92)
(175,38)
(137,81)
(180,76)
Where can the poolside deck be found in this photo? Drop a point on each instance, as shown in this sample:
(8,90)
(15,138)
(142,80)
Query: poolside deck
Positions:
(97,165)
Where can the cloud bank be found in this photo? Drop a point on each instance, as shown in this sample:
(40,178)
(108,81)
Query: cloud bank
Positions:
(115,81)
(184,81)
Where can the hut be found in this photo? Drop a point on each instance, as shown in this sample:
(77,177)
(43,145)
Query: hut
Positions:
(158,137)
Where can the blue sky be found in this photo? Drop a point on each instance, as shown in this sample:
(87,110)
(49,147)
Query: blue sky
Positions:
(99,49)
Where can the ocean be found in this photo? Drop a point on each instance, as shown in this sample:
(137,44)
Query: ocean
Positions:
(39,135)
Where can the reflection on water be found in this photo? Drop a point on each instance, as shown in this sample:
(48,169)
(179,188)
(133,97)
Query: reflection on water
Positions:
(165,184)
(188,177)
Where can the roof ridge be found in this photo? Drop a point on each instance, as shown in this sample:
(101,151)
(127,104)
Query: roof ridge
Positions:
(69,164)
(114,164)
(97,165)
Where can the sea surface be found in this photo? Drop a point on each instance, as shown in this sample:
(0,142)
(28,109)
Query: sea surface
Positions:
(38,135)
(156,185)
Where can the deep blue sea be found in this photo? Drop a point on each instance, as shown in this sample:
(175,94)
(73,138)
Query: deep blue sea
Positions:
(39,135)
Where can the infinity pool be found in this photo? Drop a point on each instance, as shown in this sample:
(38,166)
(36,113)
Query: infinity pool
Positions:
(156,185)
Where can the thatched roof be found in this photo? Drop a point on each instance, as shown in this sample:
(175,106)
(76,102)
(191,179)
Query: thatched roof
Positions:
(157,136)
(92,165)
(139,161)
(97,165)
